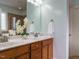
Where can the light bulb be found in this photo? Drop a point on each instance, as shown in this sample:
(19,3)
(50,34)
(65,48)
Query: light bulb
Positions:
(28,0)
(36,2)
(39,1)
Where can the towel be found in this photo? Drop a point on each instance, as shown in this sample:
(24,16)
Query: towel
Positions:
(32,28)
(51,28)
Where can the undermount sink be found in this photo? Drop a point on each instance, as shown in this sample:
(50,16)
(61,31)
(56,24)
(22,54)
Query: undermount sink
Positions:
(7,44)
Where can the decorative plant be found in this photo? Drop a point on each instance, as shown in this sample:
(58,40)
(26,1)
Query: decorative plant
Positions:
(20,28)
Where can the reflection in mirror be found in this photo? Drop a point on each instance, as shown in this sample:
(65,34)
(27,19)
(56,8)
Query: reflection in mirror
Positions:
(4,21)
(33,14)
(10,12)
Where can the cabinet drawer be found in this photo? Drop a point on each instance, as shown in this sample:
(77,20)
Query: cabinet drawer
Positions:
(8,54)
(35,45)
(23,49)
(47,42)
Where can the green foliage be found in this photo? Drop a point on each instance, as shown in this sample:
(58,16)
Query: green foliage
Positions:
(25,33)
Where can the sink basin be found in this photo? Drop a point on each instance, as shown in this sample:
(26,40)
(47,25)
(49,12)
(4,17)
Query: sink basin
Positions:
(6,44)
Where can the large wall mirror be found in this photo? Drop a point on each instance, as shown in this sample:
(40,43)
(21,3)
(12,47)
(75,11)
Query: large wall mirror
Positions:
(11,11)
(34,13)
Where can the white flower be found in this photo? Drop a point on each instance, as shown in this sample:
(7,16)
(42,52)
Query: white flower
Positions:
(18,22)
(25,21)
(19,28)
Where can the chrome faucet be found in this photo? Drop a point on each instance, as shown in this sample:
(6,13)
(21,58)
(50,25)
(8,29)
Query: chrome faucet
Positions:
(3,39)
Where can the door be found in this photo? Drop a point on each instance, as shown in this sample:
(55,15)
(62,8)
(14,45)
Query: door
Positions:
(74,30)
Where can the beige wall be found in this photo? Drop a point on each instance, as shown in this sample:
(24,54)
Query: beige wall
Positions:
(74,30)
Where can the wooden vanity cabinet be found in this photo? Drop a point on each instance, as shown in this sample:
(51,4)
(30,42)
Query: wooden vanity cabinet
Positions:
(22,52)
(47,49)
(37,50)
(24,56)
(42,50)
(8,54)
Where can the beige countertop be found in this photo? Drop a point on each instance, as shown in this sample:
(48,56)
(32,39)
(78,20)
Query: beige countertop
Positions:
(15,42)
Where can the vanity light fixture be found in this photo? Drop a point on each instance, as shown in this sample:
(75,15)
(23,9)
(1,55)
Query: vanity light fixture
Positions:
(36,2)
(39,2)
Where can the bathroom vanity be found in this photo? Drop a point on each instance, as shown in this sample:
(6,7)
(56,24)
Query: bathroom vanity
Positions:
(33,49)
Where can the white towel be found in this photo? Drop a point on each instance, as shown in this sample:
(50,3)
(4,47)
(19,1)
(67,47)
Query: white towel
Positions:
(51,28)
(32,28)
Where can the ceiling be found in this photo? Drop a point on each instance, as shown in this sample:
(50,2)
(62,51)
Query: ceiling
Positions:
(14,3)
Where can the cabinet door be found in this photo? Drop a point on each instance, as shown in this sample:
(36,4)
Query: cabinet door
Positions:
(47,52)
(8,54)
(50,51)
(24,56)
(36,54)
(47,49)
